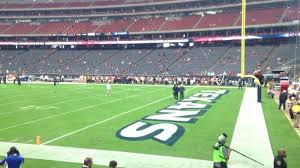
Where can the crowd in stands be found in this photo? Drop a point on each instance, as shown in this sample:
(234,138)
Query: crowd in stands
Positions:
(196,61)
(289,100)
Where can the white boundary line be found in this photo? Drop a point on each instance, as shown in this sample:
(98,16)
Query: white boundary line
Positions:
(102,157)
(251,135)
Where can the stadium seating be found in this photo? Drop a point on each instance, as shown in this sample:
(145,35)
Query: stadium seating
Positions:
(52,28)
(266,16)
(197,61)
(143,25)
(114,26)
(282,54)
(107,3)
(4,27)
(77,4)
(18,5)
(81,27)
(292,14)
(49,5)
(181,61)
(218,20)
(181,23)
(230,61)
(21,28)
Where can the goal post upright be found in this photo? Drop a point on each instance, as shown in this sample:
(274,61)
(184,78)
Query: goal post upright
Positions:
(243,40)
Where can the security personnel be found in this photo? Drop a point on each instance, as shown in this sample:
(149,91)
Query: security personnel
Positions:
(181,90)
(279,161)
(221,152)
(19,80)
(175,92)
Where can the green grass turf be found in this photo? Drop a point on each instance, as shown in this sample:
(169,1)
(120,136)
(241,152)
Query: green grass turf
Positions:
(195,143)
(281,132)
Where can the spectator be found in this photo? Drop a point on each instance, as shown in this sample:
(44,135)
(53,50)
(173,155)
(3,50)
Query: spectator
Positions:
(279,160)
(282,99)
(291,102)
(87,163)
(296,110)
(113,164)
(13,159)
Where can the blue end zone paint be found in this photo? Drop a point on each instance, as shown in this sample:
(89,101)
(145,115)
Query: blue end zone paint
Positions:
(180,131)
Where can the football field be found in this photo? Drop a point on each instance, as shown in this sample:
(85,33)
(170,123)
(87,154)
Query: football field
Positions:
(83,117)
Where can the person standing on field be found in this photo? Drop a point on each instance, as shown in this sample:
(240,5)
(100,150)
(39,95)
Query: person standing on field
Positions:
(108,89)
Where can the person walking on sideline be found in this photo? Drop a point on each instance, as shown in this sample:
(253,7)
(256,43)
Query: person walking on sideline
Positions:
(282,99)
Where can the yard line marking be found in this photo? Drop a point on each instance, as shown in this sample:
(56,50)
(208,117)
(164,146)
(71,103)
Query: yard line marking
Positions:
(25,100)
(103,121)
(14,140)
(102,157)
(56,103)
(56,115)
(28,141)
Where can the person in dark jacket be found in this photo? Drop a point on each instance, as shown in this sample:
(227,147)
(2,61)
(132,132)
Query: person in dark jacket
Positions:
(4,79)
(175,92)
(112,164)
(282,99)
(279,160)
(181,90)
(87,163)
(19,80)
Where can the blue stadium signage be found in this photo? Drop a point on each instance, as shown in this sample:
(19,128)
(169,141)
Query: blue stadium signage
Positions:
(186,111)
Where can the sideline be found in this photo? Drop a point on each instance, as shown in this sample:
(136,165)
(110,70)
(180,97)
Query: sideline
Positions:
(250,135)
(102,157)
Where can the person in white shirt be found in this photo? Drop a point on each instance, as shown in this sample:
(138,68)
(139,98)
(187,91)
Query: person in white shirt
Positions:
(108,89)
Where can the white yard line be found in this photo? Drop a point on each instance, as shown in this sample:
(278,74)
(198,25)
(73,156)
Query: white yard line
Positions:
(251,135)
(62,102)
(28,141)
(60,114)
(103,121)
(102,157)
(108,119)
(14,140)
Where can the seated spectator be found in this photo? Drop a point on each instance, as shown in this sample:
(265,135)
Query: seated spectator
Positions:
(296,110)
(113,164)
(87,163)
(13,159)
(291,102)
